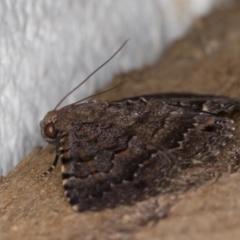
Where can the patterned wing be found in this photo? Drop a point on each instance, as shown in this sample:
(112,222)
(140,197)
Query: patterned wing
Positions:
(195,138)
(192,127)
(202,125)
(123,151)
(107,165)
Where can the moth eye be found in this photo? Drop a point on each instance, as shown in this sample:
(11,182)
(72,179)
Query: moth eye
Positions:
(50,130)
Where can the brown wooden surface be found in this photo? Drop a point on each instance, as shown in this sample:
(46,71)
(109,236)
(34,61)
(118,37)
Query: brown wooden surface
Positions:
(205,61)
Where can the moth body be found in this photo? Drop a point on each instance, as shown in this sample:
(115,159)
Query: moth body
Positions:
(123,151)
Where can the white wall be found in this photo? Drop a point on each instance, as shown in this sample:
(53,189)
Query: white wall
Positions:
(47,47)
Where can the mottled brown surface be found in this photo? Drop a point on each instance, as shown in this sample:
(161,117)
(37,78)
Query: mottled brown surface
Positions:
(206,61)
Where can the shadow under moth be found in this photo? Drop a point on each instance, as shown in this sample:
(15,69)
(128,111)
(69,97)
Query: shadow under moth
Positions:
(122,151)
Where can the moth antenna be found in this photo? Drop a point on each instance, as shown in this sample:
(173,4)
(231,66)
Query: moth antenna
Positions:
(94,95)
(79,85)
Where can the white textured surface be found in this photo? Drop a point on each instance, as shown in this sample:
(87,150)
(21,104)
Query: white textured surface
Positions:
(47,47)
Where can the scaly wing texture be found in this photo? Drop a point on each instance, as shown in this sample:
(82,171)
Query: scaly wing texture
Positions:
(112,167)
(130,149)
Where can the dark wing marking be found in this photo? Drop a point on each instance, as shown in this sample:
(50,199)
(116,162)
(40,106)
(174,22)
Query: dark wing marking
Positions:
(114,167)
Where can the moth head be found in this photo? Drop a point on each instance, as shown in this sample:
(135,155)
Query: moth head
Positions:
(48,127)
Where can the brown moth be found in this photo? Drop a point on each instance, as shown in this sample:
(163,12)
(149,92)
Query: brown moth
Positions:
(122,151)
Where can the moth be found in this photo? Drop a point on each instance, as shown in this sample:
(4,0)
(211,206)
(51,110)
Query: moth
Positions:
(122,151)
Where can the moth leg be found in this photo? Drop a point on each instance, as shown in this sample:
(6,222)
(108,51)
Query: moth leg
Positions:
(52,167)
